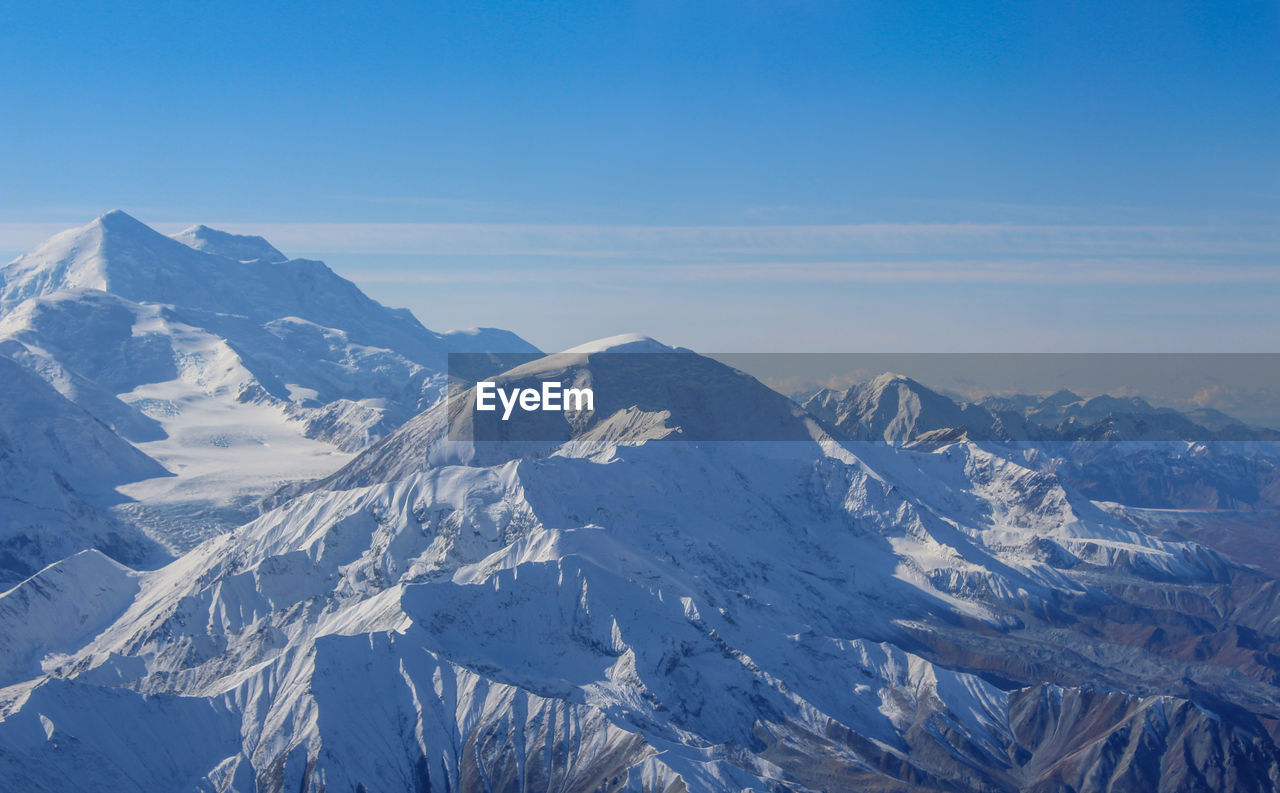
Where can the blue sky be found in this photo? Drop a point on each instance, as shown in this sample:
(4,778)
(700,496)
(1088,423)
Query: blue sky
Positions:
(747,175)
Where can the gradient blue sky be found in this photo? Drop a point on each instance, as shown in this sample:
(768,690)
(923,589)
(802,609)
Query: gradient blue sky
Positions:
(732,176)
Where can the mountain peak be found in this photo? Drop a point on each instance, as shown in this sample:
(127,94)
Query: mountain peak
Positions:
(669,394)
(116,226)
(624,342)
(119,220)
(1061,398)
(894,407)
(74,259)
(241,247)
(893,378)
(202,268)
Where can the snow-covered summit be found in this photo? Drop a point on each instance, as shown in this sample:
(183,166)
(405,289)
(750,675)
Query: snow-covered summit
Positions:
(234,366)
(118,254)
(623,342)
(206,270)
(242,247)
(666,394)
(893,407)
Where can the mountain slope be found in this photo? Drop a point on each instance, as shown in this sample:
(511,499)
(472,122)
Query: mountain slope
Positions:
(615,609)
(896,408)
(56,464)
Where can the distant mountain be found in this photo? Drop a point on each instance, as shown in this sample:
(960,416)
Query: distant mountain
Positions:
(232,365)
(898,409)
(613,608)
(895,408)
(1101,446)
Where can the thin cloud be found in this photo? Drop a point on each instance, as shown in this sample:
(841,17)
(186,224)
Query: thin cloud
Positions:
(461,239)
(1033,271)
(871,252)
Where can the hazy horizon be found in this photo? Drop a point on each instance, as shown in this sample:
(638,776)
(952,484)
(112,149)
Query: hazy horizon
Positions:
(769,176)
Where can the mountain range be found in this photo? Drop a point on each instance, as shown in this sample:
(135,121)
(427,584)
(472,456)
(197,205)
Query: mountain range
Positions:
(611,606)
(897,409)
(234,368)
(1112,449)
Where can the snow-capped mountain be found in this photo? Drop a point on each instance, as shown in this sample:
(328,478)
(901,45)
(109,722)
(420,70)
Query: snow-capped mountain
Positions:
(620,609)
(231,365)
(1121,450)
(895,408)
